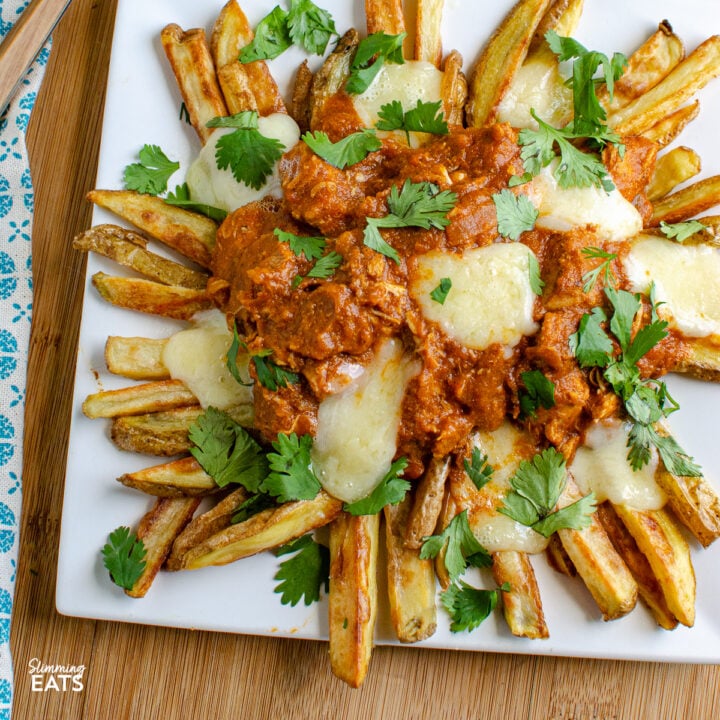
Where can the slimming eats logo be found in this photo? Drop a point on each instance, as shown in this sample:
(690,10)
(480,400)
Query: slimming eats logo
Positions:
(61,678)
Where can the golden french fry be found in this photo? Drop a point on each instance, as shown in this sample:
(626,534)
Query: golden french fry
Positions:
(384,16)
(150,297)
(558,558)
(411,580)
(158,529)
(702,360)
(453,89)
(189,233)
(129,249)
(264,531)
(427,502)
(156,433)
(501,58)
(191,62)
(674,167)
(136,358)
(563,17)
(352,600)
(687,202)
(428,40)
(179,478)
(666,130)
(148,397)
(230,33)
(522,606)
(237,88)
(689,76)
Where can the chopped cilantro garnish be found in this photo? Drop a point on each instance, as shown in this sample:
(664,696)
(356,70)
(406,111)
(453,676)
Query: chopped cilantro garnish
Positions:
(536,282)
(152,173)
(390,491)
(372,53)
(304,574)
(515,214)
(604,269)
(681,231)
(539,392)
(478,468)
(291,475)
(425,117)
(345,152)
(269,374)
(272,38)
(309,26)
(440,293)
(311,247)
(467,606)
(181,198)
(124,557)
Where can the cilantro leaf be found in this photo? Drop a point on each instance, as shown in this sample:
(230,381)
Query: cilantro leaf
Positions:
(515,214)
(272,38)
(575,516)
(604,269)
(681,231)
(311,247)
(152,173)
(231,359)
(248,154)
(305,573)
(591,345)
(345,152)
(440,293)
(271,375)
(181,198)
(372,53)
(326,265)
(539,392)
(641,438)
(389,491)
(478,468)
(536,282)
(425,117)
(467,606)
(373,238)
(124,557)
(291,475)
(309,26)
(252,506)
(226,451)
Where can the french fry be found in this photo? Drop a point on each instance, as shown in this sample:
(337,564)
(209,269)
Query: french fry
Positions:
(189,233)
(687,202)
(428,40)
(237,88)
(522,606)
(136,358)
(352,600)
(671,169)
(384,16)
(179,478)
(264,531)
(671,93)
(136,399)
(205,525)
(557,557)
(158,529)
(563,17)
(231,32)
(500,60)
(130,250)
(411,580)
(192,65)
(427,502)
(453,89)
(300,101)
(150,297)
(666,130)
(156,433)
(702,360)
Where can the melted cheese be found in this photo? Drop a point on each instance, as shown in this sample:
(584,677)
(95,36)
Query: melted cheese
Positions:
(601,466)
(537,85)
(490,301)
(686,282)
(357,428)
(198,357)
(212,186)
(565,208)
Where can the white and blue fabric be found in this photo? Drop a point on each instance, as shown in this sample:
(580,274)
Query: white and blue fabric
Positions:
(16,213)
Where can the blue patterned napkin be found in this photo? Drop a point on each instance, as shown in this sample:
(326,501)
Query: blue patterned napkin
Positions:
(16,208)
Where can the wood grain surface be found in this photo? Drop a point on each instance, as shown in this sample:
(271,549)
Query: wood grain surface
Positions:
(145,673)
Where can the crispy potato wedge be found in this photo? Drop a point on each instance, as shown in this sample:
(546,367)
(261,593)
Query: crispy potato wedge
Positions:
(502,56)
(411,580)
(427,502)
(136,358)
(158,529)
(558,559)
(130,250)
(671,93)
(230,33)
(191,62)
(674,167)
(384,16)
(299,108)
(189,233)
(266,530)
(522,606)
(702,360)
(562,16)
(687,202)
(666,130)
(237,88)
(453,89)
(179,478)
(156,433)
(150,297)
(136,399)
(352,600)
(428,39)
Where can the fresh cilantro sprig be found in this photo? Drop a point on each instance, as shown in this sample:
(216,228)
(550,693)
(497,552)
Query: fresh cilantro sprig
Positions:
(312,247)
(304,24)
(124,557)
(415,205)
(152,173)
(371,54)
(440,293)
(305,573)
(425,117)
(291,476)
(539,392)
(248,154)
(478,468)
(536,282)
(536,489)
(323,268)
(681,231)
(604,269)
(515,214)
(467,606)
(389,491)
(269,374)
(181,198)
(347,151)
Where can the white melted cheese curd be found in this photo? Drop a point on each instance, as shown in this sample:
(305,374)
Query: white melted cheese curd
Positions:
(601,466)
(505,449)
(686,282)
(210,185)
(357,428)
(491,299)
(563,209)
(198,357)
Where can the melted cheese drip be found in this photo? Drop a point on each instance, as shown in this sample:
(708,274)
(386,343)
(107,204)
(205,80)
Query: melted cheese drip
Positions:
(490,301)
(686,282)
(212,186)
(601,466)
(357,428)
(565,208)
(198,357)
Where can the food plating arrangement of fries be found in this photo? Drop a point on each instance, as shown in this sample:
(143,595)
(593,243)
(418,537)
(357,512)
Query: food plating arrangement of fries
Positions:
(429,302)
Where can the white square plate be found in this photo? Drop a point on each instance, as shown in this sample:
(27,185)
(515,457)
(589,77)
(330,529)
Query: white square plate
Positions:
(143,107)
